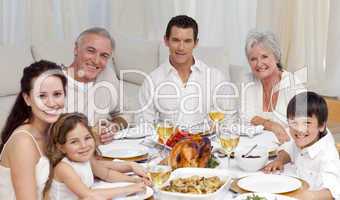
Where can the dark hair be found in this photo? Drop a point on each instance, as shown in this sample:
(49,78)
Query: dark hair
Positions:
(58,133)
(21,113)
(308,103)
(182,21)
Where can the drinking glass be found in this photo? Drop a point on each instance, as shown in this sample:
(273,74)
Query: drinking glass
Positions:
(159,174)
(228,138)
(164,128)
(215,117)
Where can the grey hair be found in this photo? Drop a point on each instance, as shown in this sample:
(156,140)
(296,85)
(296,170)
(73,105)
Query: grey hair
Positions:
(97,31)
(268,40)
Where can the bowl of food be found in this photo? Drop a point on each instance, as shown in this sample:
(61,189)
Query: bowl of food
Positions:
(251,158)
(195,184)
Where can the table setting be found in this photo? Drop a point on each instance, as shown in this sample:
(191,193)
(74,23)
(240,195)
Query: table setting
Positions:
(239,157)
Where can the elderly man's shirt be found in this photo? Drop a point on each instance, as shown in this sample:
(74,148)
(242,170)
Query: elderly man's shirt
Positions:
(318,164)
(94,99)
(164,95)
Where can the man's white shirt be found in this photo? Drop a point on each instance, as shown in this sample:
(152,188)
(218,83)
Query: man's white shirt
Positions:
(164,96)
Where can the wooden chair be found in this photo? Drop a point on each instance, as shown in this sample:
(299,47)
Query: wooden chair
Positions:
(334,118)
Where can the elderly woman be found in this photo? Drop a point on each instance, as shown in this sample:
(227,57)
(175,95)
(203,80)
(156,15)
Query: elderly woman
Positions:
(266,98)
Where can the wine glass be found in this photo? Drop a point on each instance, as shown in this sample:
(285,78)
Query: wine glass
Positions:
(215,116)
(159,174)
(164,129)
(228,137)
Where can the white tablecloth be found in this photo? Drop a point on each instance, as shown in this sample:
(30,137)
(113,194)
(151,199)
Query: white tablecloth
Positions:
(266,139)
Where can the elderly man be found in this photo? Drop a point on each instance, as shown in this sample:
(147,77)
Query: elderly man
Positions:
(92,85)
(181,89)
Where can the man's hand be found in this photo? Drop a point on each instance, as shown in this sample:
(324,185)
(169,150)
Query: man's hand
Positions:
(105,131)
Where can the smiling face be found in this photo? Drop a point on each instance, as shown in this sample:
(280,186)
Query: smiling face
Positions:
(181,44)
(92,54)
(262,62)
(305,130)
(46,99)
(79,145)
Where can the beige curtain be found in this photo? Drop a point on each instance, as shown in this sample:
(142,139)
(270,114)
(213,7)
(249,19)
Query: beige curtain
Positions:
(302,28)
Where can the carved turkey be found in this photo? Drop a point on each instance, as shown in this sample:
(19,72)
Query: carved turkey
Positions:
(191,152)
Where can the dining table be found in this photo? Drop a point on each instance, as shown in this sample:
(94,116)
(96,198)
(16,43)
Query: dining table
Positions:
(157,152)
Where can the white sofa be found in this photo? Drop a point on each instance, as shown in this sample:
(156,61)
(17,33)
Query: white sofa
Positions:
(130,53)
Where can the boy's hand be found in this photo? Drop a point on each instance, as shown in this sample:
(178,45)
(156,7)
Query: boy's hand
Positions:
(276,165)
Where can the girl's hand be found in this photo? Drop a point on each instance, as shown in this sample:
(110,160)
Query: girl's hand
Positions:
(146,181)
(276,165)
(138,170)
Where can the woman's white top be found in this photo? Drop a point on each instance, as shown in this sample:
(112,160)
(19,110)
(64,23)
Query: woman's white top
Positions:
(252,99)
(42,170)
(59,191)
(317,164)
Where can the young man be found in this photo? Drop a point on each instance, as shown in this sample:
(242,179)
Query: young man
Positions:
(180,89)
(92,85)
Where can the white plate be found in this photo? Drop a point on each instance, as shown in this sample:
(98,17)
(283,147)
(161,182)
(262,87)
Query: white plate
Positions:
(268,196)
(144,195)
(270,183)
(187,172)
(123,150)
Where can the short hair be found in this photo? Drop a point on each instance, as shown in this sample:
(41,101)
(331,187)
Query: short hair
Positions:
(308,103)
(182,21)
(97,31)
(268,40)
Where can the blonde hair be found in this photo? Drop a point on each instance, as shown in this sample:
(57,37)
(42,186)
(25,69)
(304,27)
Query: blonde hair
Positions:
(58,133)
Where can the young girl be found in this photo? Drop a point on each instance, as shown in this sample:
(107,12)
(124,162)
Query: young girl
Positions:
(313,150)
(24,167)
(71,152)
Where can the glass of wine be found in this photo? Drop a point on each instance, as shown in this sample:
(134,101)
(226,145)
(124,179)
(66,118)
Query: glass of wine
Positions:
(159,174)
(215,117)
(228,138)
(164,128)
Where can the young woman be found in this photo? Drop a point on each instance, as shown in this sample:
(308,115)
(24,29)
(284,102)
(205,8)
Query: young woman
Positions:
(24,167)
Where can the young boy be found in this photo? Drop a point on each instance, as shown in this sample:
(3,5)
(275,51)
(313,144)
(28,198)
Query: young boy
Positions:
(313,148)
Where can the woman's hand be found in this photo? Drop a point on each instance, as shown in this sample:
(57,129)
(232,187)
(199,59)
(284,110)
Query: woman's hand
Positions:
(276,128)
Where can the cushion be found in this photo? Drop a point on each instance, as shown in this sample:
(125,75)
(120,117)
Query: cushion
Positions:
(6,103)
(214,56)
(139,56)
(60,52)
(13,60)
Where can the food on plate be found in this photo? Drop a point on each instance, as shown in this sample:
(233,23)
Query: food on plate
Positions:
(194,184)
(191,152)
(255,197)
(212,162)
(176,137)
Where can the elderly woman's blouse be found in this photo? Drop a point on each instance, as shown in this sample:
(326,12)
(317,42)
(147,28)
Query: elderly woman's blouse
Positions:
(252,99)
